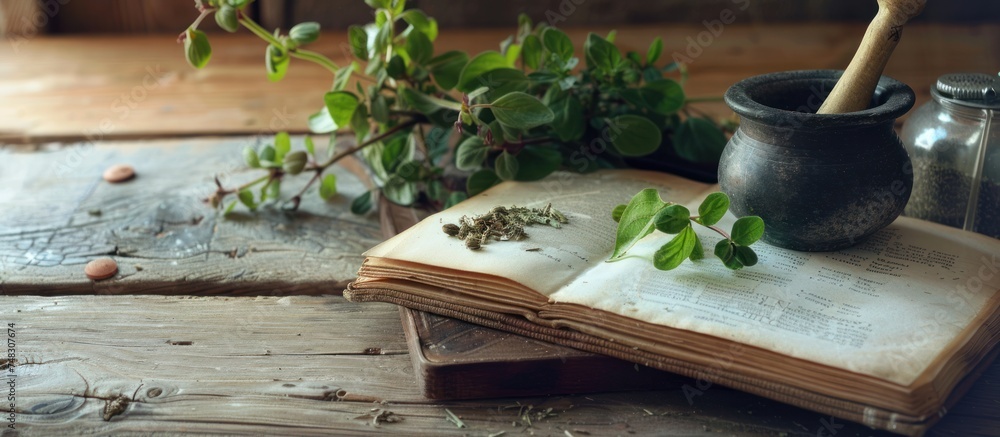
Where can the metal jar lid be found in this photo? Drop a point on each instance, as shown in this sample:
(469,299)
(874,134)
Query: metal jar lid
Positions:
(975,90)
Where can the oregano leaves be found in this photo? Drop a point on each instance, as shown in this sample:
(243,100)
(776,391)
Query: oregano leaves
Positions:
(647,212)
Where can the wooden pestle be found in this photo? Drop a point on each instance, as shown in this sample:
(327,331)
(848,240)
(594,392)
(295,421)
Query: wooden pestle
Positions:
(853,92)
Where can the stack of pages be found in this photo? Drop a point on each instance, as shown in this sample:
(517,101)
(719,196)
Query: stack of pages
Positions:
(888,333)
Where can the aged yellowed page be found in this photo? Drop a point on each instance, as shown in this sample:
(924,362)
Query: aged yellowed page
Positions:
(885,308)
(562,254)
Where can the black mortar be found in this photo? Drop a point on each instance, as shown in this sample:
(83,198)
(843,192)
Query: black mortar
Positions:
(820,181)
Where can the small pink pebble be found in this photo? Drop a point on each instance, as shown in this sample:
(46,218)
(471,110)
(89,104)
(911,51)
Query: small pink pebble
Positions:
(119,173)
(101,268)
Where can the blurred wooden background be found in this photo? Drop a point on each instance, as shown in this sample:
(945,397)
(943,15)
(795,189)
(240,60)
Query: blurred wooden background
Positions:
(20,17)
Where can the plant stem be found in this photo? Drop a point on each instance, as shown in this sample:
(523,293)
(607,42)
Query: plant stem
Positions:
(266,177)
(197,21)
(320,168)
(720,231)
(404,125)
(256,29)
(308,55)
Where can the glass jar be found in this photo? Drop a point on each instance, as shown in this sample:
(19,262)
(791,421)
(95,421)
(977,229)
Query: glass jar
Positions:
(954,144)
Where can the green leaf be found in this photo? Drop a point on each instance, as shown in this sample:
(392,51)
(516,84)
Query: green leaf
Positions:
(747,230)
(536,162)
(410,170)
(745,256)
(267,154)
(556,41)
(447,67)
(229,207)
(724,250)
(276,63)
(328,187)
(380,109)
(250,156)
(471,153)
(521,111)
(282,144)
(531,52)
(419,47)
(397,149)
(568,122)
(713,208)
(437,141)
(321,122)
(436,190)
(421,23)
(616,214)
(396,68)
(503,81)
(295,162)
(362,204)
(246,198)
(310,146)
(651,74)
(359,122)
(342,76)
(399,191)
(698,252)
(672,219)
(238,4)
(341,106)
(455,198)
(676,251)
(634,135)
(358,40)
(699,140)
(226,18)
(479,91)
(272,190)
(506,166)
(427,104)
(480,181)
(376,4)
(484,62)
(637,220)
(655,50)
(197,50)
(304,33)
(664,96)
(512,53)
(602,54)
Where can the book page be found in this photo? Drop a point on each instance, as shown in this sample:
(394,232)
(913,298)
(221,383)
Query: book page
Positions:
(886,308)
(549,257)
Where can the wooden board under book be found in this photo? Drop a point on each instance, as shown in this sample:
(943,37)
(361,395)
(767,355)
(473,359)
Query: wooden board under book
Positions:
(459,360)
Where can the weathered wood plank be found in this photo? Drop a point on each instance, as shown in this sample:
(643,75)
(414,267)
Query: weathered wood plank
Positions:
(59,214)
(275,366)
(69,89)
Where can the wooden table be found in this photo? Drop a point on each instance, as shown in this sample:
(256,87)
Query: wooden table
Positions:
(236,326)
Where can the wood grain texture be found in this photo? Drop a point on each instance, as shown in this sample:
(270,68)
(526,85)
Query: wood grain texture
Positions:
(166,240)
(275,366)
(71,89)
(21,19)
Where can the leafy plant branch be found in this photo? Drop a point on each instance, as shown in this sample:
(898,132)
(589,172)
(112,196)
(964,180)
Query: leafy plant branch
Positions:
(647,212)
(519,113)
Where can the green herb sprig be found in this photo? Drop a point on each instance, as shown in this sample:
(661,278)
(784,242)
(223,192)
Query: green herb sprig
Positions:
(520,112)
(647,212)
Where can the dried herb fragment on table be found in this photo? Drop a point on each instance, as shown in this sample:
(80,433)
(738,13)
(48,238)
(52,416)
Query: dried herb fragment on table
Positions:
(502,224)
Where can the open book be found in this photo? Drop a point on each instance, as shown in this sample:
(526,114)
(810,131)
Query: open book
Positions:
(888,333)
